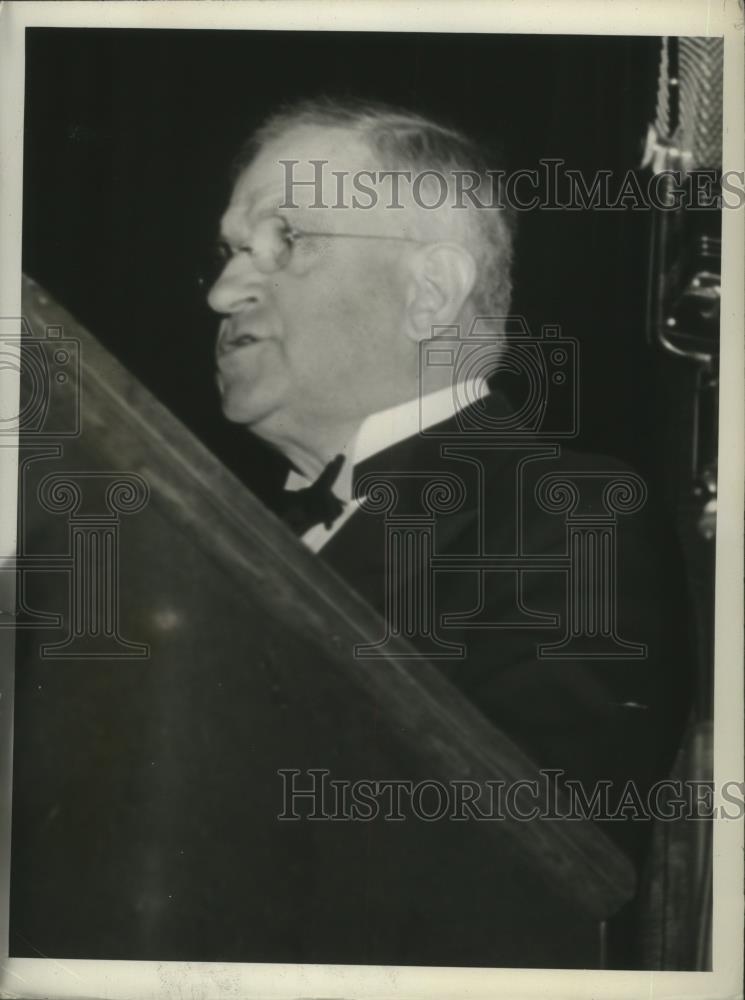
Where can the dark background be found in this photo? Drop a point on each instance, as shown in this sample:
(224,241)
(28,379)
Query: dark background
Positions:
(128,135)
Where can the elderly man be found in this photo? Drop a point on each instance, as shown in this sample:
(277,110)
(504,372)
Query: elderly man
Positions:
(333,298)
(324,319)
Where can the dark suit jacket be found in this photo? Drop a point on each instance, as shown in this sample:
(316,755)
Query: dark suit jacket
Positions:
(595,718)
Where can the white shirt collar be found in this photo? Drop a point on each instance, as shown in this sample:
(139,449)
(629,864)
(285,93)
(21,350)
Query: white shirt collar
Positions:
(387,427)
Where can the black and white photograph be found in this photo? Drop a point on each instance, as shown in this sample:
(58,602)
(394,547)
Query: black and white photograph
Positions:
(371,555)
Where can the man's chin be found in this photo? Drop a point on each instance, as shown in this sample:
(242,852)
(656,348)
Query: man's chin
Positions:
(239,410)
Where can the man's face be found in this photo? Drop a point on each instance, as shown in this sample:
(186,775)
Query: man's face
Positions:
(319,342)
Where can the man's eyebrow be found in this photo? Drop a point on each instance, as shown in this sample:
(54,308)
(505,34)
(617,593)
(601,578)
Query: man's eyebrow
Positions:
(228,230)
(235,222)
(259,204)
(238,218)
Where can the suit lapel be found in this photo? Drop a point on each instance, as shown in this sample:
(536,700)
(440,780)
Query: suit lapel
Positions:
(358,551)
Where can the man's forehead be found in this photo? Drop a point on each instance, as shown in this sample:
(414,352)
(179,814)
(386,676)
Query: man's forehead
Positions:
(289,158)
(286,177)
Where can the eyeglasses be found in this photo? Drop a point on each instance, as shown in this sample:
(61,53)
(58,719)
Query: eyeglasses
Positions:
(271,248)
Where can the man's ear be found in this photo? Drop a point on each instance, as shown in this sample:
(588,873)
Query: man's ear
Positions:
(442,276)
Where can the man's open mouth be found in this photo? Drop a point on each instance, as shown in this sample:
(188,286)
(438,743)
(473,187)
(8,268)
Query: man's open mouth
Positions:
(234,343)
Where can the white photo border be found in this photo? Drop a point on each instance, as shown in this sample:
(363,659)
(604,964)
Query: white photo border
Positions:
(57,978)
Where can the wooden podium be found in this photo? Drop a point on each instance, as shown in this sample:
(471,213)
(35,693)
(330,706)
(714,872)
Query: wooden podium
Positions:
(176,649)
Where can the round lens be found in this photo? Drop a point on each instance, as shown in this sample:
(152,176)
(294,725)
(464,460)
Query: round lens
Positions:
(271,245)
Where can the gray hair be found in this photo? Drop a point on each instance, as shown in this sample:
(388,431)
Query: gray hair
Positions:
(404,140)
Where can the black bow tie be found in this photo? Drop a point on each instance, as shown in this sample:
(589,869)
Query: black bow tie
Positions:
(303,509)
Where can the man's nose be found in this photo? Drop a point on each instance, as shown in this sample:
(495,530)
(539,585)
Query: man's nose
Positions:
(238,287)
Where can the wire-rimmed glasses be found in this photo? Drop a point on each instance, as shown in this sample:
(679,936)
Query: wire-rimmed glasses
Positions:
(274,239)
